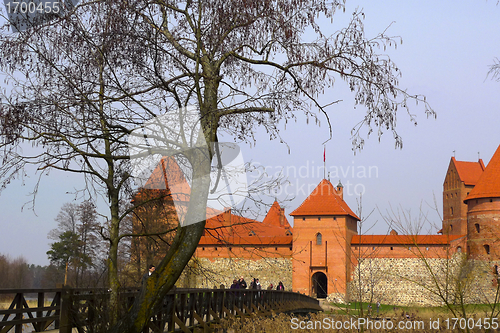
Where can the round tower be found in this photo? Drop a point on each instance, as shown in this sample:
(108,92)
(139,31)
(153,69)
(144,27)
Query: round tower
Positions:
(483,213)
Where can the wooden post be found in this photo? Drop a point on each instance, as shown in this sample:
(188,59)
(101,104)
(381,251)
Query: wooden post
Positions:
(65,320)
(39,314)
(19,305)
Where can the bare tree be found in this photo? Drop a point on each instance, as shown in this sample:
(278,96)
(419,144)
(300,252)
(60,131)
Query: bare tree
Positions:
(67,220)
(82,83)
(444,275)
(79,221)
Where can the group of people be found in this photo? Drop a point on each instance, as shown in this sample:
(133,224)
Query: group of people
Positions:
(237,284)
(255,284)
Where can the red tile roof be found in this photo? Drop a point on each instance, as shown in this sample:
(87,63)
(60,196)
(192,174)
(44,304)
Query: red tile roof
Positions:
(324,200)
(469,172)
(404,239)
(243,231)
(488,185)
(274,216)
(167,176)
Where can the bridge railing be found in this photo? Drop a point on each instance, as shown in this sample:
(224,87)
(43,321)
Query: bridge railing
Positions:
(39,308)
(66,308)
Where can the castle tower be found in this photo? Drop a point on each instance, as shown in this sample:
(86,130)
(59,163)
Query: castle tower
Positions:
(460,179)
(323,227)
(483,217)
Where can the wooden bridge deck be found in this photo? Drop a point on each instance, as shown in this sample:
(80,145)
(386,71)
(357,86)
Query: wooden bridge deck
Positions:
(185,310)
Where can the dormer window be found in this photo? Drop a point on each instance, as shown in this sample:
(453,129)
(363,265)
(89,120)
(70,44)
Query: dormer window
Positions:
(251,233)
(288,233)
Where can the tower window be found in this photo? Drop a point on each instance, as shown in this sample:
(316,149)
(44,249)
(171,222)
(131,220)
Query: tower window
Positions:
(477,227)
(392,248)
(319,239)
(451,211)
(319,218)
(487,248)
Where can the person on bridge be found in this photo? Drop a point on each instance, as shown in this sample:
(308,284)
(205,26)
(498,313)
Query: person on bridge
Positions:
(235,284)
(150,271)
(243,284)
(280,286)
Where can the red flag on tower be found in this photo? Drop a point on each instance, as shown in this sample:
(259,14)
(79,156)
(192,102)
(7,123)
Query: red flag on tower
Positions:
(324,153)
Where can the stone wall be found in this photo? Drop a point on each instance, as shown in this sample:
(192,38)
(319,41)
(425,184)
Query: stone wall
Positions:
(423,282)
(204,273)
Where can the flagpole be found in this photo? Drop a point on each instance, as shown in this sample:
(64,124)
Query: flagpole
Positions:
(324,161)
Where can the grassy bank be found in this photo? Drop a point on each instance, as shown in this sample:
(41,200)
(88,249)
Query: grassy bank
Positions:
(345,318)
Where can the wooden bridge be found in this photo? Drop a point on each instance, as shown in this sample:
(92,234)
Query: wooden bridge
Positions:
(183,310)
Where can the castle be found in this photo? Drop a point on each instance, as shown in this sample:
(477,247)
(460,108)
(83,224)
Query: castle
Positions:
(323,254)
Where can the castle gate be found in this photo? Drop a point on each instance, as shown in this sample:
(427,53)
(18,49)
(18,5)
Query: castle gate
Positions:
(319,283)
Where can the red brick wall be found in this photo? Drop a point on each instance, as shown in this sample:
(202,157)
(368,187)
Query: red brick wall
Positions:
(454,209)
(408,251)
(486,214)
(244,252)
(332,257)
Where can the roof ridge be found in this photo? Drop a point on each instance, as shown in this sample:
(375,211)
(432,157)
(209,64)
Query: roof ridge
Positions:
(488,185)
(324,200)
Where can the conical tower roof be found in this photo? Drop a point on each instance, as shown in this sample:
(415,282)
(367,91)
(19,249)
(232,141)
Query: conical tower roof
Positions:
(488,185)
(274,217)
(324,200)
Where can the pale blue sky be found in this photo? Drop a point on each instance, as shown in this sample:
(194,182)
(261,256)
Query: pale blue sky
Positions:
(446,52)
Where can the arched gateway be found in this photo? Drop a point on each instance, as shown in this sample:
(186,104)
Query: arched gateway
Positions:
(319,284)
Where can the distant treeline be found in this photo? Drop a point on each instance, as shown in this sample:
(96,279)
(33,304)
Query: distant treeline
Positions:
(17,273)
